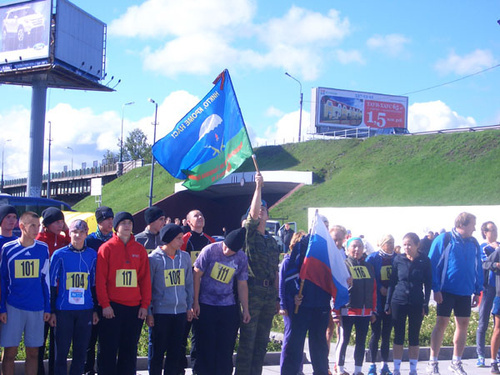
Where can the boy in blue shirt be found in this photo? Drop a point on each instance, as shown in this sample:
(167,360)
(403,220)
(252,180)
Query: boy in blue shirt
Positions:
(24,302)
(72,283)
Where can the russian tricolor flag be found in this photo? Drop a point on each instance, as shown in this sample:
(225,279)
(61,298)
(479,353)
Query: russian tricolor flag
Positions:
(324,264)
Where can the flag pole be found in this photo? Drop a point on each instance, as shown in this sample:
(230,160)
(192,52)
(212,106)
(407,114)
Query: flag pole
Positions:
(300,296)
(254,158)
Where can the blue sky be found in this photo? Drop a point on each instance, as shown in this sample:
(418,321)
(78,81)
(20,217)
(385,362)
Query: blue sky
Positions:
(171,51)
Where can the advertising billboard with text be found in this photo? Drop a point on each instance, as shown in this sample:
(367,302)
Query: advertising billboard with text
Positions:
(335,109)
(25,31)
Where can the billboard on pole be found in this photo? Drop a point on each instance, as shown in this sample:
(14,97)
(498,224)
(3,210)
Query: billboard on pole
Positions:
(335,109)
(25,31)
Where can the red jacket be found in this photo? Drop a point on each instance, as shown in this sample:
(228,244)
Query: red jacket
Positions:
(122,273)
(54,241)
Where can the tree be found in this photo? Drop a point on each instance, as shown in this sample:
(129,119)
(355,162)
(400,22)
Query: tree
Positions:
(136,146)
(110,157)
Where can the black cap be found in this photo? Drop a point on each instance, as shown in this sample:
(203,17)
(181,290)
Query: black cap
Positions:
(51,215)
(120,216)
(6,209)
(103,213)
(236,239)
(153,214)
(169,232)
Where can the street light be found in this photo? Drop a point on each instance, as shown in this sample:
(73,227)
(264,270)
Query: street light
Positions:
(48,168)
(121,138)
(152,156)
(301,100)
(3,152)
(72,153)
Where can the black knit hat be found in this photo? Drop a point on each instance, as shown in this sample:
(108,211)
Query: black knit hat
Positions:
(120,216)
(236,239)
(51,215)
(103,213)
(169,232)
(6,209)
(153,214)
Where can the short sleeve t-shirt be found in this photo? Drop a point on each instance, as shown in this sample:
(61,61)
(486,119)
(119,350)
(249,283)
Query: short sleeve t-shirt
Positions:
(219,272)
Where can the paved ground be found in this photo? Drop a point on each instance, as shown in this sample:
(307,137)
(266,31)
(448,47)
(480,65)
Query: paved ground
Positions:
(469,364)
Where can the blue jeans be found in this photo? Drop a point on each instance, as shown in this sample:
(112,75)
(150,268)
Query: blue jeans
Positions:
(72,326)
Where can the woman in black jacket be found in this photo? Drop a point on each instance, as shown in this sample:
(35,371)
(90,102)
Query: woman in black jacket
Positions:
(411,273)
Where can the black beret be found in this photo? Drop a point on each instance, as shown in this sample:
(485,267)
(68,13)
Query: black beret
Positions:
(169,232)
(51,215)
(236,239)
(103,213)
(120,216)
(153,214)
(6,209)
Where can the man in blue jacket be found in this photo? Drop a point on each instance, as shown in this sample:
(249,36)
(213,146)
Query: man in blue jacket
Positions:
(456,275)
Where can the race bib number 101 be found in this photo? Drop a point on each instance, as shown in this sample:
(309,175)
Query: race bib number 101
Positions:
(27,268)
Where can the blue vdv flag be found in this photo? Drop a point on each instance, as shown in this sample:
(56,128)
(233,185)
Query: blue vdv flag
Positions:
(209,142)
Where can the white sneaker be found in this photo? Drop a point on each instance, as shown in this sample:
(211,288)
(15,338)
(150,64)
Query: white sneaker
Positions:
(456,368)
(432,368)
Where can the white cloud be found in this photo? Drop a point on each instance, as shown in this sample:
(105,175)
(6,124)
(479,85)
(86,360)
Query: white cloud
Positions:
(201,38)
(391,44)
(274,112)
(285,130)
(160,18)
(435,116)
(467,64)
(348,57)
(88,134)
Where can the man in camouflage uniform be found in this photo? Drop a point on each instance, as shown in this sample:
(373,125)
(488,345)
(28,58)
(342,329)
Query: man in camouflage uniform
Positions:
(263,257)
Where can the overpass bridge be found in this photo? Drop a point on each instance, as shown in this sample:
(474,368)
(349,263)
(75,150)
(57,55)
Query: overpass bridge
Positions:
(74,185)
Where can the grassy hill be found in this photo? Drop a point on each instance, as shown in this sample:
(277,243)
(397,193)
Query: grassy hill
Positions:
(436,169)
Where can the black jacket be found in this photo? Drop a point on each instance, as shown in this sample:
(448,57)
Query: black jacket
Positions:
(408,279)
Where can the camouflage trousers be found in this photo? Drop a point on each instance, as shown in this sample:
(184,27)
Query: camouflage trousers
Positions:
(254,336)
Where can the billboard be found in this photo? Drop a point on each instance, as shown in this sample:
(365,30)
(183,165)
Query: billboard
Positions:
(25,31)
(80,40)
(335,109)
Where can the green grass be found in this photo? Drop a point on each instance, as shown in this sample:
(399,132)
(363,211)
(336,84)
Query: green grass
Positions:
(423,170)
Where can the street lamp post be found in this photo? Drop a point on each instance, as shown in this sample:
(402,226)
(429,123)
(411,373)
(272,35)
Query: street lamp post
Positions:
(3,154)
(301,101)
(152,156)
(121,137)
(72,153)
(48,167)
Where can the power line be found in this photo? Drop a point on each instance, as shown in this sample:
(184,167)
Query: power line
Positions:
(450,82)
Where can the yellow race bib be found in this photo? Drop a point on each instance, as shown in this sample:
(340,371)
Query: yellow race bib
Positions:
(222,273)
(174,277)
(27,268)
(126,278)
(385,273)
(194,256)
(359,272)
(77,280)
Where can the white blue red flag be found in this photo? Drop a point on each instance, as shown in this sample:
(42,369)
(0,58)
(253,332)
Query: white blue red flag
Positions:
(324,264)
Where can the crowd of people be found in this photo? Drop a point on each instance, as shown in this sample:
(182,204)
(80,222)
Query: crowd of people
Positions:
(81,290)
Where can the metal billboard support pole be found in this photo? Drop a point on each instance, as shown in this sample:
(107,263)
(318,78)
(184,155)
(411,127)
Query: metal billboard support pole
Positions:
(37,127)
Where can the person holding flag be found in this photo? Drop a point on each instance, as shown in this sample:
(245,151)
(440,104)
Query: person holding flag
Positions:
(323,276)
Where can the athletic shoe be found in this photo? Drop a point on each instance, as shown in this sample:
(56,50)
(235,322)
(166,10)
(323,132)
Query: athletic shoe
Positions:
(373,369)
(494,368)
(432,368)
(480,362)
(396,372)
(385,370)
(341,373)
(456,368)
(413,373)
